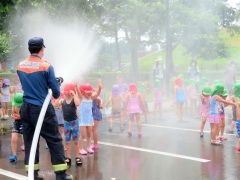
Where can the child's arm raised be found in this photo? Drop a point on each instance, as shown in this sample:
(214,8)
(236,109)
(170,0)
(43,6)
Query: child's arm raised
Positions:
(75,98)
(99,90)
(78,93)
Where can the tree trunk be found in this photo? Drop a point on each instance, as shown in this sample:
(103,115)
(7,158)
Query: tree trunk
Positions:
(118,54)
(169,48)
(134,60)
(134,44)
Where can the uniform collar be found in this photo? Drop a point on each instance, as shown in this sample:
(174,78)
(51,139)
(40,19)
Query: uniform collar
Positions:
(35,55)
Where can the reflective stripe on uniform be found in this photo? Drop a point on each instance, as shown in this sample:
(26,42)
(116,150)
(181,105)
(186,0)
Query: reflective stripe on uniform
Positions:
(59,167)
(36,167)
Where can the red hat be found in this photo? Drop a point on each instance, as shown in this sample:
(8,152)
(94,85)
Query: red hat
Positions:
(133,88)
(85,88)
(179,82)
(81,88)
(88,88)
(69,87)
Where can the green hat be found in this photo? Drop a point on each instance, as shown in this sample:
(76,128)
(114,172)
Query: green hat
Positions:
(216,82)
(225,93)
(207,91)
(218,89)
(141,87)
(17,99)
(157,84)
(204,79)
(192,82)
(236,90)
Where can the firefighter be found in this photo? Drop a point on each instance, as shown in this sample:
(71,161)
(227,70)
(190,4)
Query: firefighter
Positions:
(37,76)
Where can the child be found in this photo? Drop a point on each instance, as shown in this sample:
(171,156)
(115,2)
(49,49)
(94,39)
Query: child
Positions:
(233,121)
(205,99)
(17,125)
(117,103)
(158,98)
(5,97)
(1,109)
(71,125)
(222,117)
(236,99)
(57,104)
(97,116)
(17,87)
(123,93)
(135,107)
(193,97)
(214,112)
(86,115)
(180,97)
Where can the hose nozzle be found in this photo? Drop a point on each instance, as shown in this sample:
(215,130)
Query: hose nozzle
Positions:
(59,80)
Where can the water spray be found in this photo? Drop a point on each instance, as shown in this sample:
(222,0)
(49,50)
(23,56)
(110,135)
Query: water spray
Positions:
(37,132)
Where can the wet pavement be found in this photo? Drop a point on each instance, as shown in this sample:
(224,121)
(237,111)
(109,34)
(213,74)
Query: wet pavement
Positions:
(169,149)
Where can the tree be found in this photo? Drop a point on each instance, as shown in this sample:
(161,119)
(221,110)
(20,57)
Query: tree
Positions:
(137,20)
(110,24)
(5,46)
(196,25)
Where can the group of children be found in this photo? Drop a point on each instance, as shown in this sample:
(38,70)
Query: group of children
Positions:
(126,103)
(214,100)
(78,112)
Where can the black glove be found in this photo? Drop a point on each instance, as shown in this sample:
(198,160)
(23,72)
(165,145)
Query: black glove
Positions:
(59,80)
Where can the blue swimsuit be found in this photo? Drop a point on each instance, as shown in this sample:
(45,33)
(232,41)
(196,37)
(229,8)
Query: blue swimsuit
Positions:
(86,115)
(180,96)
(97,114)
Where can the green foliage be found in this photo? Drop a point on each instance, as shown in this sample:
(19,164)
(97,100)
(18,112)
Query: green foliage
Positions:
(193,26)
(182,59)
(5,46)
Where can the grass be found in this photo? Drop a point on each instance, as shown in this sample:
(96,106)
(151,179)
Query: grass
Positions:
(181,59)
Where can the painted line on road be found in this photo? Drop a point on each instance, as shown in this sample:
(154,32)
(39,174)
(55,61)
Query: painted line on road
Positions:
(176,128)
(12,175)
(181,129)
(154,152)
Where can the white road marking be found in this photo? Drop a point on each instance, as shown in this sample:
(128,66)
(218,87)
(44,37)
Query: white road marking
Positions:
(12,175)
(154,152)
(176,128)
(181,129)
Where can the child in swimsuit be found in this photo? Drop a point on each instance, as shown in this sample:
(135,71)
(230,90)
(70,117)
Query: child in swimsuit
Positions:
(180,97)
(5,97)
(205,99)
(57,104)
(236,99)
(17,125)
(222,117)
(97,116)
(158,98)
(135,107)
(71,125)
(193,97)
(214,112)
(86,120)
(117,103)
